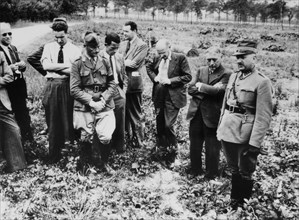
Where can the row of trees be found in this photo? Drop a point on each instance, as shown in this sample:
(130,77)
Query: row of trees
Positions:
(243,10)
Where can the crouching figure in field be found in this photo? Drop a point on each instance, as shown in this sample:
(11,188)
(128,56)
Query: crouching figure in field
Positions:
(92,86)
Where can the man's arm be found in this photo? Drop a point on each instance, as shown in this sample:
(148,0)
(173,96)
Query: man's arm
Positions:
(48,65)
(218,88)
(34,60)
(184,74)
(138,58)
(150,69)
(7,75)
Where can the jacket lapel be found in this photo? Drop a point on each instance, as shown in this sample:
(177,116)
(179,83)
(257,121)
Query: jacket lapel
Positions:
(214,77)
(172,64)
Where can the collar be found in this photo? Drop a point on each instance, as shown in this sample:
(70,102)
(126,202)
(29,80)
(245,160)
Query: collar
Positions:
(85,57)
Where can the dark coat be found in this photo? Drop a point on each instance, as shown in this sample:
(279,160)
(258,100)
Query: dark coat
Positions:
(179,74)
(209,98)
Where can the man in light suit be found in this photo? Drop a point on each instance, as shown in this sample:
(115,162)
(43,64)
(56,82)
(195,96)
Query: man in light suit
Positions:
(245,118)
(11,148)
(134,51)
(207,89)
(17,90)
(170,72)
(117,64)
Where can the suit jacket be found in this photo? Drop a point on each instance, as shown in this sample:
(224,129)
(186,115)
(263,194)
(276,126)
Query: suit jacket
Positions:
(17,88)
(208,99)
(120,70)
(5,73)
(255,93)
(137,53)
(179,74)
(34,60)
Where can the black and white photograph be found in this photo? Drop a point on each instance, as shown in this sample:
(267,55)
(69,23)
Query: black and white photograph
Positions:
(149,109)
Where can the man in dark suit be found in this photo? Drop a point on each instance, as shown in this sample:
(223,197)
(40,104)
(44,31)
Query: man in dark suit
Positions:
(134,51)
(11,150)
(117,64)
(207,90)
(170,72)
(17,90)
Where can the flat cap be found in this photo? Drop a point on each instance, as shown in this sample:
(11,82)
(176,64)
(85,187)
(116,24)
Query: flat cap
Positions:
(91,39)
(246,47)
(60,19)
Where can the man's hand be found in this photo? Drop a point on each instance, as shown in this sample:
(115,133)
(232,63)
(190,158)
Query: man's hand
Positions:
(165,81)
(97,106)
(157,79)
(130,63)
(218,85)
(13,67)
(198,85)
(21,64)
(252,150)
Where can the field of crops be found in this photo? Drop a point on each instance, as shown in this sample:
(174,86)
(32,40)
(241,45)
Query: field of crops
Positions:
(143,188)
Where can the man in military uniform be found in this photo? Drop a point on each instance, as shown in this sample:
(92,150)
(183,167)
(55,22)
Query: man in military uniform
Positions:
(245,118)
(92,85)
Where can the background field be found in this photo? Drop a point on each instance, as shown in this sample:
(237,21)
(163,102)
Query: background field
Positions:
(143,188)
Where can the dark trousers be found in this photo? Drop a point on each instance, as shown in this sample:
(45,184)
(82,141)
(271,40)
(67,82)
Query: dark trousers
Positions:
(166,116)
(59,115)
(118,137)
(240,161)
(200,133)
(133,116)
(10,141)
(17,92)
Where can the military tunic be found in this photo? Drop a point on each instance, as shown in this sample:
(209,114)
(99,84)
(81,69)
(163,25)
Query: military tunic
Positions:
(245,118)
(93,80)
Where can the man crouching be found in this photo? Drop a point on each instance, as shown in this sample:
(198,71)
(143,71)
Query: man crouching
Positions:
(92,86)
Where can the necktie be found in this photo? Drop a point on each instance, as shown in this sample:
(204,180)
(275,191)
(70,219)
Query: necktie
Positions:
(128,47)
(12,55)
(111,64)
(60,55)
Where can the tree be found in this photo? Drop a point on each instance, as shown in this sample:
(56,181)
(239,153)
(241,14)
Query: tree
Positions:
(123,3)
(9,11)
(216,6)
(240,9)
(254,9)
(104,3)
(198,6)
(277,10)
(290,13)
(177,6)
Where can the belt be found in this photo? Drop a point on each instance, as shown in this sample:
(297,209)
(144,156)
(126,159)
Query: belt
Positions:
(57,79)
(235,109)
(96,88)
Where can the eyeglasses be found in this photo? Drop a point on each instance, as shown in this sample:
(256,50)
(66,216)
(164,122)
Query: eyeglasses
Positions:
(5,34)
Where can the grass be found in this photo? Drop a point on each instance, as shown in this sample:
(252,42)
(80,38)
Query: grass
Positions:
(142,188)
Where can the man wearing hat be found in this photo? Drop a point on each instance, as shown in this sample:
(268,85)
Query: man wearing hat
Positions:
(207,89)
(245,118)
(93,87)
(57,58)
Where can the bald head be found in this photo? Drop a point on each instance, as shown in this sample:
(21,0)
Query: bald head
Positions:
(5,33)
(163,48)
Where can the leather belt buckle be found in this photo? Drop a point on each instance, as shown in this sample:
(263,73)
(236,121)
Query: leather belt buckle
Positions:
(96,89)
(231,108)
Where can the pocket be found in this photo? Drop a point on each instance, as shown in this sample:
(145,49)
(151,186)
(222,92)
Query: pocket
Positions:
(247,96)
(135,82)
(247,125)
